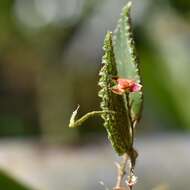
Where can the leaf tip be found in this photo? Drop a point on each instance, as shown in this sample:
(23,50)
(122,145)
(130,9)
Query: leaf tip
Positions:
(73,116)
(127,8)
(129,4)
(108,35)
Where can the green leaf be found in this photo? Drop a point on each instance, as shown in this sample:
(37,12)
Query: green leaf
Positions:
(120,59)
(8,183)
(120,112)
(127,61)
(117,125)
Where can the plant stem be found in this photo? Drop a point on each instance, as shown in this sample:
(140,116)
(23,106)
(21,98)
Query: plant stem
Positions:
(130,119)
(76,123)
(130,176)
(121,172)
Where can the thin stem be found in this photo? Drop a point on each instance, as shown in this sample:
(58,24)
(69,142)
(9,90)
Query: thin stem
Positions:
(121,172)
(79,122)
(130,176)
(130,118)
(132,179)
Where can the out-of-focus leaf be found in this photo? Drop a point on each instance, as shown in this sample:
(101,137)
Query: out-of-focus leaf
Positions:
(181,6)
(8,183)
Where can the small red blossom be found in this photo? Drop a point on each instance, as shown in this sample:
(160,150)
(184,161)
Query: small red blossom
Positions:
(125,85)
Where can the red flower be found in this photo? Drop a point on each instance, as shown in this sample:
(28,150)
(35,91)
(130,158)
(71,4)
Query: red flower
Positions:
(125,85)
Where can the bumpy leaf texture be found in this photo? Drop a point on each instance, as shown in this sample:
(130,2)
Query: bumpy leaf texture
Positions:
(120,59)
(117,123)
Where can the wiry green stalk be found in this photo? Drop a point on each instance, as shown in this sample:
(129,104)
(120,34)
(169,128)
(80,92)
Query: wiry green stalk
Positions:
(76,123)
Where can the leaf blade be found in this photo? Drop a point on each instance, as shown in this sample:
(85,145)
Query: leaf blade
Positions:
(116,124)
(127,60)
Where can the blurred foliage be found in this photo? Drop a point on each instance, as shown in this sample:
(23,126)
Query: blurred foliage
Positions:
(165,52)
(46,68)
(182,6)
(8,183)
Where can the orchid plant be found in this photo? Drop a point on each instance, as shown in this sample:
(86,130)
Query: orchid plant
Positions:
(121,96)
